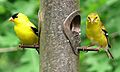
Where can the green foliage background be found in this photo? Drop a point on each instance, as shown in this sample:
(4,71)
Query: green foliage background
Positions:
(28,60)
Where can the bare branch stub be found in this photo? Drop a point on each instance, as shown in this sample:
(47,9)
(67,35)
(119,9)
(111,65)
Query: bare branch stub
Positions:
(29,46)
(85,48)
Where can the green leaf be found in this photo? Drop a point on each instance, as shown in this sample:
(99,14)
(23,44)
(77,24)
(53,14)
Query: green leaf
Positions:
(30,62)
(98,64)
(8,40)
(2,9)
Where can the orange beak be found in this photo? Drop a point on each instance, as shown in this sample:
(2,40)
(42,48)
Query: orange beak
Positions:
(11,19)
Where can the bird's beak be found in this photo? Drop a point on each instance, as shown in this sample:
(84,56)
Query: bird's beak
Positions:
(92,20)
(11,19)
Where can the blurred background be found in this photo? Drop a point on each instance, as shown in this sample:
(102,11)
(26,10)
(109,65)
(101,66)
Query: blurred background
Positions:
(12,59)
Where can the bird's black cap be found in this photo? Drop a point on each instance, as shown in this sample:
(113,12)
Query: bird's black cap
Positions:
(15,16)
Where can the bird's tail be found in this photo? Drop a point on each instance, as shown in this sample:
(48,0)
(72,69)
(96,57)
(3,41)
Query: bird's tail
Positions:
(109,54)
(37,51)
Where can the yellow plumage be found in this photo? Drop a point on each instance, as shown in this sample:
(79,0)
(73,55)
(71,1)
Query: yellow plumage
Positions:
(25,30)
(97,33)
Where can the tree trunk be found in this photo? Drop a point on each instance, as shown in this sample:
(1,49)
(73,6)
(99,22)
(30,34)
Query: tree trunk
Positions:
(56,54)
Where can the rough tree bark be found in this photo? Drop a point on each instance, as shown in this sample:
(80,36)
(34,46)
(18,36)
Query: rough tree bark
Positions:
(56,54)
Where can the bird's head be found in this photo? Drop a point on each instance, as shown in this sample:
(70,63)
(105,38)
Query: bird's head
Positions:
(93,18)
(18,17)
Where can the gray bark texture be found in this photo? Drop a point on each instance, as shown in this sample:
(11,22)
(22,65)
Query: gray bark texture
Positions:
(56,54)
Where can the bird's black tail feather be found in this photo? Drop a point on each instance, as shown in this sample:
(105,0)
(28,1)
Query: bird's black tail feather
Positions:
(109,54)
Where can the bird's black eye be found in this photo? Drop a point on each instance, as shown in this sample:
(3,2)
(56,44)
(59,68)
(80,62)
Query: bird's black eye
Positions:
(96,17)
(89,18)
(15,16)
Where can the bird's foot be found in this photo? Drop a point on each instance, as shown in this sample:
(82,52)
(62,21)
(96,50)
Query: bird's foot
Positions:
(98,49)
(84,48)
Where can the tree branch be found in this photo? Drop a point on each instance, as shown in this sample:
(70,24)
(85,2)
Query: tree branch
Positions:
(29,46)
(11,49)
(85,48)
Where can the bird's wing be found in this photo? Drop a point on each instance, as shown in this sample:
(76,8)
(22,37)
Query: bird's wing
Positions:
(33,27)
(35,30)
(106,34)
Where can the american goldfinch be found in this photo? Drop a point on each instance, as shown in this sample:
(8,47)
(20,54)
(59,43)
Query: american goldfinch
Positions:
(25,30)
(97,33)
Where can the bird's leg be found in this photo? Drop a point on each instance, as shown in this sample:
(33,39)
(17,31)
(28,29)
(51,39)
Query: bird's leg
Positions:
(84,47)
(92,44)
(99,47)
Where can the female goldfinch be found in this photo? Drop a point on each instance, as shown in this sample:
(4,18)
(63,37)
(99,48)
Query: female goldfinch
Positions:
(25,30)
(97,33)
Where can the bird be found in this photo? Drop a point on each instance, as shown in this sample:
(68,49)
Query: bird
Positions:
(25,30)
(97,33)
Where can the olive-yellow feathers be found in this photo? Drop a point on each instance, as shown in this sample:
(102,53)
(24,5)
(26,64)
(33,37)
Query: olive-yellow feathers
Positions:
(97,33)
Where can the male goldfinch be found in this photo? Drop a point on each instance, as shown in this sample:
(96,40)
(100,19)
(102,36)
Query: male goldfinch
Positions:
(25,30)
(97,33)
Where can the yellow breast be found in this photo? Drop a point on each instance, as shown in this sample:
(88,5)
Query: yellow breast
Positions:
(95,34)
(25,34)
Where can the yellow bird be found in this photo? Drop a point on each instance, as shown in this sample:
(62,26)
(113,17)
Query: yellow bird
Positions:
(97,33)
(25,30)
